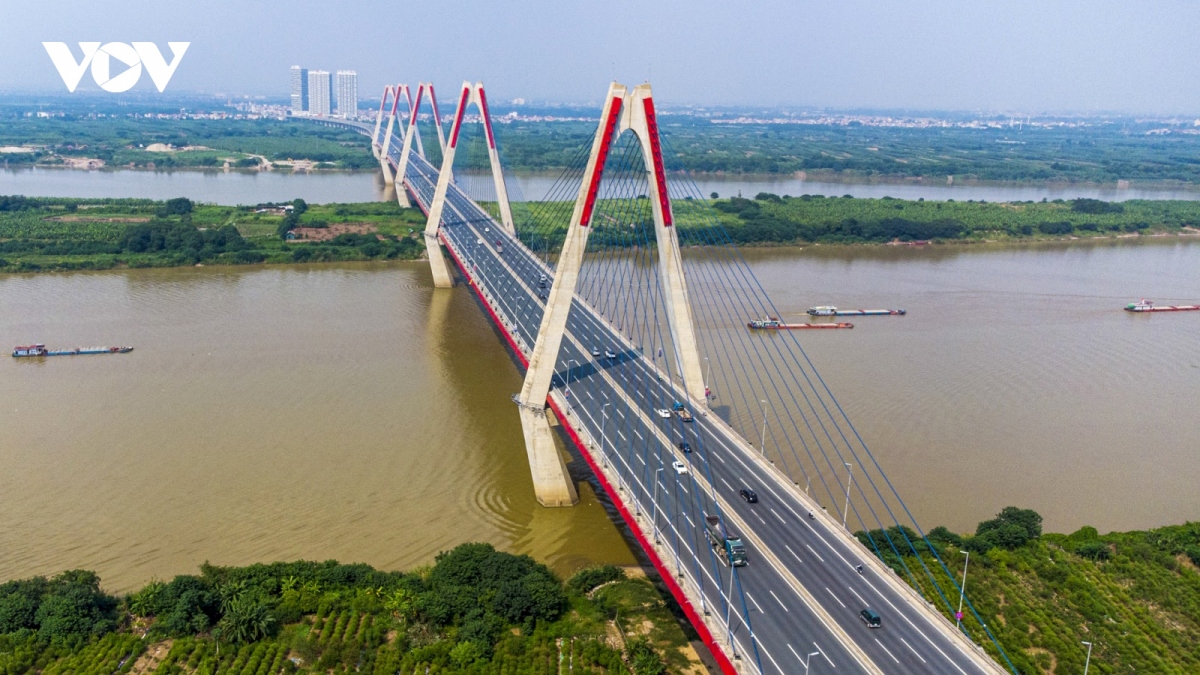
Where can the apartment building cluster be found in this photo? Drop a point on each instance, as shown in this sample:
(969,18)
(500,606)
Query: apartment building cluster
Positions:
(322,93)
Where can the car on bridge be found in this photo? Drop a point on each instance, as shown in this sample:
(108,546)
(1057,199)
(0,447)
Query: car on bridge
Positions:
(663,413)
(596,352)
(871,618)
(610,353)
(685,446)
(749,495)
(680,467)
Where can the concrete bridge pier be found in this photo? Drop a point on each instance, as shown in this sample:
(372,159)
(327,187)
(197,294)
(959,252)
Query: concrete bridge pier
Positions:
(552,484)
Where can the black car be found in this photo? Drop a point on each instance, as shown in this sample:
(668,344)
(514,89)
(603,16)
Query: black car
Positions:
(685,447)
(871,618)
(749,495)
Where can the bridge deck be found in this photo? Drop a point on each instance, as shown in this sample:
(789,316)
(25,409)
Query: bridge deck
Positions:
(801,588)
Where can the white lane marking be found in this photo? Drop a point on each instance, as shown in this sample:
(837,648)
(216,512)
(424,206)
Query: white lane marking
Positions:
(860,598)
(621,435)
(689,519)
(814,553)
(910,648)
(823,654)
(639,458)
(760,610)
(889,653)
(835,598)
(726,483)
(718,457)
(759,517)
(778,600)
(639,434)
(778,516)
(764,650)
(789,548)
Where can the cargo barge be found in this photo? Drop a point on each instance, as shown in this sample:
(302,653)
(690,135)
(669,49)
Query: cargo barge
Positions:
(775,324)
(1147,306)
(40,350)
(827,310)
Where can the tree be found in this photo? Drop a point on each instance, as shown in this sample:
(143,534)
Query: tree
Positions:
(245,620)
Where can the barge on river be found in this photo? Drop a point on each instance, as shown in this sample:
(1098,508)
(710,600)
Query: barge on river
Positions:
(40,350)
(775,324)
(1147,306)
(828,310)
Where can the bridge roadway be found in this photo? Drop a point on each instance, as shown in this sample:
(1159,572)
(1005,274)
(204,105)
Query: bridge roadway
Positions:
(802,591)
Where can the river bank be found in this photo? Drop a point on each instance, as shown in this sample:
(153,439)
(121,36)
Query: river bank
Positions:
(60,234)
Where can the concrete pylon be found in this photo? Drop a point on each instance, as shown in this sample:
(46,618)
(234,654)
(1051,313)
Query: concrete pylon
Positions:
(388,176)
(640,118)
(472,94)
(398,180)
(379,121)
(413,138)
(551,482)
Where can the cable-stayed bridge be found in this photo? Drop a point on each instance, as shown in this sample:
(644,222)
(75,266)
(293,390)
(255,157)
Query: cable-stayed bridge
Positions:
(622,296)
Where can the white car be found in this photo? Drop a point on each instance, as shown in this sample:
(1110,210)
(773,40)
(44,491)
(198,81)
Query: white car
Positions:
(680,467)
(610,353)
(663,413)
(595,351)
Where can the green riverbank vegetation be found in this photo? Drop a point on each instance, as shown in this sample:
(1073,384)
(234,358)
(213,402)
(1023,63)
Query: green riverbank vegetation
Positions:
(771,219)
(49,234)
(1134,595)
(475,610)
(149,143)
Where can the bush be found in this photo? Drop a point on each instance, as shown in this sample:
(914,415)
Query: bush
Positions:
(584,581)
(1094,550)
(1060,227)
(1010,529)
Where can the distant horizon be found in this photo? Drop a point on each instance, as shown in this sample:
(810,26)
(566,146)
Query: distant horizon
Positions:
(498,101)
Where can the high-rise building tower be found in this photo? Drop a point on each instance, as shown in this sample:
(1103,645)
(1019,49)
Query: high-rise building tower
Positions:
(299,89)
(347,93)
(320,90)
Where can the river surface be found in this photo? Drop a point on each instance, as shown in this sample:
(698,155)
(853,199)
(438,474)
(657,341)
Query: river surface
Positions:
(352,412)
(239,187)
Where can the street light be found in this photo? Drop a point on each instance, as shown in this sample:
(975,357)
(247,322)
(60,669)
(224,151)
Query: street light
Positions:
(849,481)
(1089,658)
(962,590)
(762,440)
(807,659)
(603,438)
(654,518)
(569,362)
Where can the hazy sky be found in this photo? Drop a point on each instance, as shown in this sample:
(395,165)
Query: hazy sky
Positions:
(1029,55)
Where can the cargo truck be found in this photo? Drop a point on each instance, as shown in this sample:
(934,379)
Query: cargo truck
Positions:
(725,542)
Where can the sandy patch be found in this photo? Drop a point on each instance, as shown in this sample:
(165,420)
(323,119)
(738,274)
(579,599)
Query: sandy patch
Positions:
(334,229)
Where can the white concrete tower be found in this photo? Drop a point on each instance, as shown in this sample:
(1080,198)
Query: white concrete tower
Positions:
(622,111)
(472,94)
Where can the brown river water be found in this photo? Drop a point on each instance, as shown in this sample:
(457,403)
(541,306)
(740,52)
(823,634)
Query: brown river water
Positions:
(350,412)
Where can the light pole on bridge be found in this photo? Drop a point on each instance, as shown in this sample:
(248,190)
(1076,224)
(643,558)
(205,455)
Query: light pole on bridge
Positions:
(1089,658)
(654,518)
(762,440)
(603,438)
(962,590)
(849,481)
(808,659)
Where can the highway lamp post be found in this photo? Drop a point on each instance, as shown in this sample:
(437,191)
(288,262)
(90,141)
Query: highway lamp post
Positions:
(849,481)
(762,440)
(962,590)
(654,518)
(603,438)
(1089,657)
(808,659)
